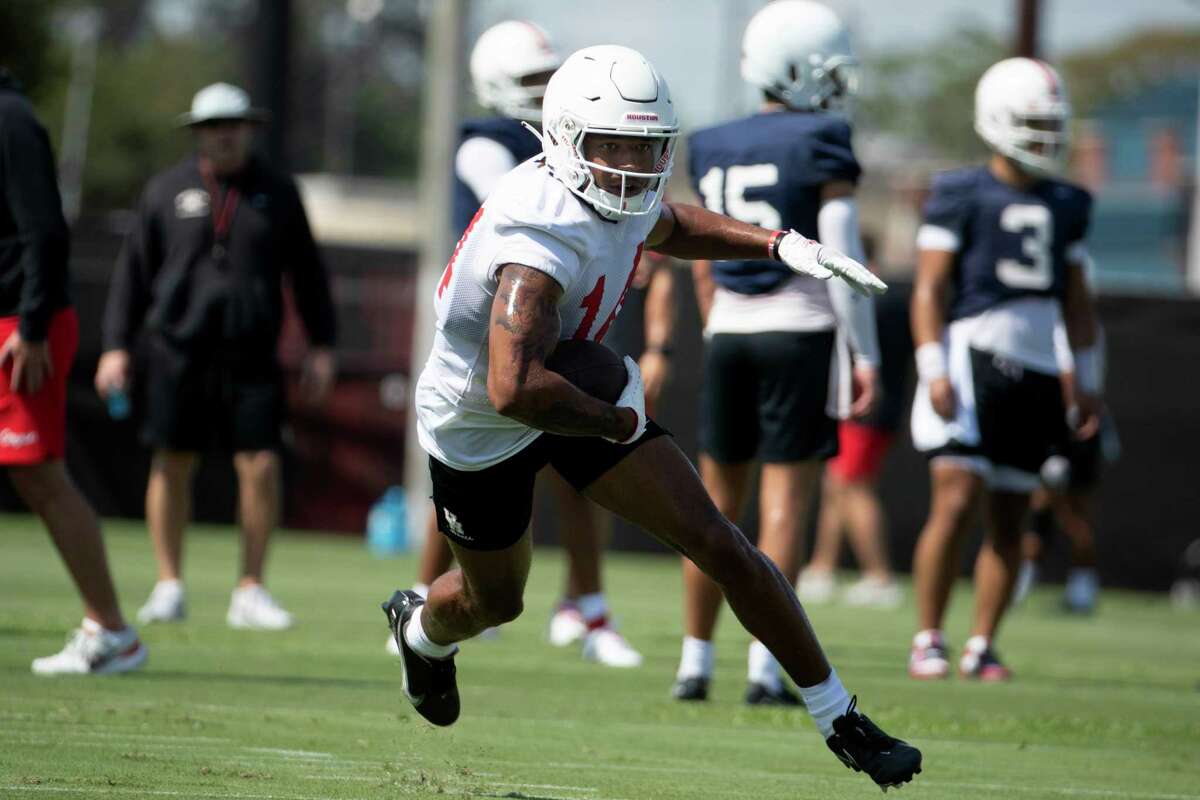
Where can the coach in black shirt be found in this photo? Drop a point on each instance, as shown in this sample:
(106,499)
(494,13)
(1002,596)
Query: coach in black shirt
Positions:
(198,290)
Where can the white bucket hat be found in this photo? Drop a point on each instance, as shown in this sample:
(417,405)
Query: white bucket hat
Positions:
(222,101)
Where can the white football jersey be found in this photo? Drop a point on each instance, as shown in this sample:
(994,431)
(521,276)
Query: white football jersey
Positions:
(530,218)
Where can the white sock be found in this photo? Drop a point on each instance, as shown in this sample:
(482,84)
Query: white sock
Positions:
(421,589)
(1026,578)
(592,606)
(826,702)
(414,634)
(977,644)
(762,667)
(696,661)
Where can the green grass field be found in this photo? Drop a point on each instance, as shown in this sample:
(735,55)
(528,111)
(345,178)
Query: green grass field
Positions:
(1105,707)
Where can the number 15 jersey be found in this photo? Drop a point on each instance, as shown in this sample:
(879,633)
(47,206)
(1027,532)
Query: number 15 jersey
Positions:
(1011,251)
(530,219)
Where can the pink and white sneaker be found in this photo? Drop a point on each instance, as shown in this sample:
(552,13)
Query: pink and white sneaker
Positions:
(605,646)
(980,662)
(567,626)
(928,660)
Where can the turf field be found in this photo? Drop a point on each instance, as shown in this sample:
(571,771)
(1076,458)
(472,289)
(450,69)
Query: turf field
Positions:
(1106,707)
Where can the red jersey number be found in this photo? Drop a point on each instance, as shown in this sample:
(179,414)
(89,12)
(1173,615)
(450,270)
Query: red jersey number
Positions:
(591,303)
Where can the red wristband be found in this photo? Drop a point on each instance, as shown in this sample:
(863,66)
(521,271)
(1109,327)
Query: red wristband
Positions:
(773,245)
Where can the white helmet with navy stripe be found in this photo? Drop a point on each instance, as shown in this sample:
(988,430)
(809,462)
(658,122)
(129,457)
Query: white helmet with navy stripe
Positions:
(799,53)
(510,65)
(1022,111)
(612,90)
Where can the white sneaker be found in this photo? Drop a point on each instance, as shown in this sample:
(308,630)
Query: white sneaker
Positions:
(816,586)
(566,626)
(165,604)
(606,646)
(873,593)
(253,607)
(91,650)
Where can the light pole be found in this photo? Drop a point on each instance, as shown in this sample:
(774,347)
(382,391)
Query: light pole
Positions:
(442,111)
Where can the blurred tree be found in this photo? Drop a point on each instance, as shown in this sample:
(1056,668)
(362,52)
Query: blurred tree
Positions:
(926,95)
(26,45)
(1098,75)
(139,93)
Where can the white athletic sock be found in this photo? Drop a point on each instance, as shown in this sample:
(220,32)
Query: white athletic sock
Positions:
(696,660)
(421,589)
(593,607)
(414,634)
(977,644)
(826,702)
(762,668)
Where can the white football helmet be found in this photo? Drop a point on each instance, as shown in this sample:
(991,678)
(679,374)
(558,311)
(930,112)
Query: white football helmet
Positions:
(509,67)
(799,52)
(1022,111)
(610,90)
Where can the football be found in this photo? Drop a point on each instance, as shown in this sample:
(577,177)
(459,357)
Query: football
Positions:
(591,366)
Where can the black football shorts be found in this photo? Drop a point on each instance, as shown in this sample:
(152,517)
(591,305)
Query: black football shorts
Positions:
(195,401)
(490,509)
(765,396)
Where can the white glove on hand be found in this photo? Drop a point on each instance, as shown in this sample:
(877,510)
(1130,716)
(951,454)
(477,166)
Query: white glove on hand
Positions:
(633,396)
(809,257)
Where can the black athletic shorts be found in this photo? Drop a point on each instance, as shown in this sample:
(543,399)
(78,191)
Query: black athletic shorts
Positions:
(196,400)
(1019,411)
(765,397)
(489,509)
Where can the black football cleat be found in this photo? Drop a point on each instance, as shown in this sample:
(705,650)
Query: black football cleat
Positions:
(758,694)
(690,689)
(863,747)
(429,683)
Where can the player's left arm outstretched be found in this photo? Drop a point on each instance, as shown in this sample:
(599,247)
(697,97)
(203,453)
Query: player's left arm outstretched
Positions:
(690,232)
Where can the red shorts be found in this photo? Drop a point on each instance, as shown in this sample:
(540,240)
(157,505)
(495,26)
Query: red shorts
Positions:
(861,449)
(33,427)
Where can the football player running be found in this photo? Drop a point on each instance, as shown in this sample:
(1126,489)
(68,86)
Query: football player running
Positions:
(770,332)
(1003,244)
(510,65)
(549,257)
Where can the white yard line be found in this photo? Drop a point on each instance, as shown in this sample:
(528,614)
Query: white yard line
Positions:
(289,753)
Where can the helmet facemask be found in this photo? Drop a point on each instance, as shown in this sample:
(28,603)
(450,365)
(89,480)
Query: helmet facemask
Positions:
(1036,140)
(638,194)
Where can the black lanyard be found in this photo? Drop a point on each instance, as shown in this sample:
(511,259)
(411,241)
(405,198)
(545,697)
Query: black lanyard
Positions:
(223,210)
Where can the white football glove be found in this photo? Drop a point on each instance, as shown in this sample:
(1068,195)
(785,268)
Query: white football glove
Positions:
(809,257)
(633,396)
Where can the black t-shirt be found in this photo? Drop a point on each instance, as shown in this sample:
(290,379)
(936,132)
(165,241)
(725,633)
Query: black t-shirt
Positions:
(34,242)
(177,279)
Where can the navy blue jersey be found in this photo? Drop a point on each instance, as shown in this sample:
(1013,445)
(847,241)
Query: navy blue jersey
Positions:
(510,134)
(1010,242)
(768,169)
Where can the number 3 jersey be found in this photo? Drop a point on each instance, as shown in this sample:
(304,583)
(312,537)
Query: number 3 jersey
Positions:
(530,219)
(1011,250)
(768,169)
